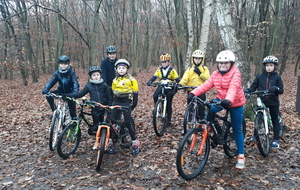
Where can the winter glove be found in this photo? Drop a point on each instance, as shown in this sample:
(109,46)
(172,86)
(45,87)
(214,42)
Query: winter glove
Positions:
(247,95)
(150,81)
(273,89)
(225,103)
(135,100)
(196,70)
(190,97)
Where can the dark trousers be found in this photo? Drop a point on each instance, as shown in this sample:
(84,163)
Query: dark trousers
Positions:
(274,113)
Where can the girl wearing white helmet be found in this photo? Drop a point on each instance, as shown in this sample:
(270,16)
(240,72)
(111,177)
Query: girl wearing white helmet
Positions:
(125,93)
(270,80)
(227,81)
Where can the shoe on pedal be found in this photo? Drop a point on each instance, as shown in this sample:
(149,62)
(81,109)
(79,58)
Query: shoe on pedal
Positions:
(253,138)
(275,144)
(240,163)
(135,146)
(111,147)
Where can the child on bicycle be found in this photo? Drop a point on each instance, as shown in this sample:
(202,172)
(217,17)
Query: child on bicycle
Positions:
(67,80)
(99,92)
(271,81)
(196,75)
(165,74)
(125,93)
(228,83)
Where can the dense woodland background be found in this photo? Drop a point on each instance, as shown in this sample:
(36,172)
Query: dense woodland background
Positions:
(35,32)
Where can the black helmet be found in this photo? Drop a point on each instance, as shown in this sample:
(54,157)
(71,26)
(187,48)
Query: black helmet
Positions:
(111,49)
(63,59)
(94,69)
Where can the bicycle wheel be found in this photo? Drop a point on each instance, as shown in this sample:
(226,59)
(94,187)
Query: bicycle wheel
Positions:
(263,140)
(188,160)
(101,148)
(229,146)
(54,130)
(190,118)
(159,121)
(69,140)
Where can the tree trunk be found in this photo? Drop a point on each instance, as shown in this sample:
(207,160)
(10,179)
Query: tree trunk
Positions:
(205,25)
(134,17)
(190,34)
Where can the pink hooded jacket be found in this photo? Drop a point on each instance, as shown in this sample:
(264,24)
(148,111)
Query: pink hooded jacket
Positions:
(228,86)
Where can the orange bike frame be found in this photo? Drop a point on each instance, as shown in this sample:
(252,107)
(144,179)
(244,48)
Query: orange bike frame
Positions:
(204,137)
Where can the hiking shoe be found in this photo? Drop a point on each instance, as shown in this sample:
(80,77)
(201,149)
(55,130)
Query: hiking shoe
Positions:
(169,125)
(135,146)
(275,144)
(240,163)
(253,138)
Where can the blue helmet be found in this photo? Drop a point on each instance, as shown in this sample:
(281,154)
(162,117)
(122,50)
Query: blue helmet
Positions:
(111,49)
(63,59)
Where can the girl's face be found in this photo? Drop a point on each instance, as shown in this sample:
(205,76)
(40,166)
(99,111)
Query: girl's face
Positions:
(112,56)
(121,70)
(63,66)
(224,66)
(165,64)
(96,76)
(197,60)
(270,67)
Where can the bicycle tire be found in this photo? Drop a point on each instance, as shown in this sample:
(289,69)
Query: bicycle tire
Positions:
(101,148)
(69,140)
(229,147)
(189,164)
(54,130)
(125,136)
(190,118)
(159,122)
(263,139)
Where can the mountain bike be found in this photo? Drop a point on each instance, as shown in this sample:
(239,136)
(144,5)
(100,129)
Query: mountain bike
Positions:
(194,148)
(191,114)
(70,137)
(263,124)
(110,128)
(60,118)
(160,114)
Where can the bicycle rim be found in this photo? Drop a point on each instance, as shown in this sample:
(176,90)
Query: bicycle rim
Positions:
(189,164)
(54,131)
(190,120)
(263,141)
(159,121)
(229,146)
(69,140)
(100,149)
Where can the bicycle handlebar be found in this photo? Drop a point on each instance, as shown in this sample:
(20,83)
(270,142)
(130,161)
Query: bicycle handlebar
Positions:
(163,84)
(53,95)
(106,106)
(259,93)
(187,87)
(207,103)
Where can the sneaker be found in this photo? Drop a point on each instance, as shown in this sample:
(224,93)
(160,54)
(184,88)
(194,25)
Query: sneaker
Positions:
(275,144)
(241,163)
(111,147)
(135,146)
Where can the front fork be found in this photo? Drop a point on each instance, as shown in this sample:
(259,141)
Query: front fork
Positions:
(98,136)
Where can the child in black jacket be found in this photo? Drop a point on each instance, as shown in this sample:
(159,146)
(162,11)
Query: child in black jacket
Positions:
(99,92)
(271,81)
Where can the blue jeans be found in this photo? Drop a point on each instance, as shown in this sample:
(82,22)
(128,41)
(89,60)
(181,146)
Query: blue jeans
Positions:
(236,116)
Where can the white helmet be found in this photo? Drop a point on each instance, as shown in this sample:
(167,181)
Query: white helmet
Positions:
(198,53)
(225,56)
(122,62)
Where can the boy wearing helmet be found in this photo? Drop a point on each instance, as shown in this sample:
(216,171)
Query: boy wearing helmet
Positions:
(125,93)
(165,74)
(270,80)
(67,80)
(196,75)
(108,65)
(99,92)
(227,81)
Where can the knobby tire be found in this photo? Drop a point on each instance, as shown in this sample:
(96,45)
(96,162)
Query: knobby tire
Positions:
(54,130)
(101,148)
(263,139)
(190,118)
(159,123)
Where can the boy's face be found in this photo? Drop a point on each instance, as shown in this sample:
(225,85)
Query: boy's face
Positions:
(112,56)
(63,66)
(96,76)
(270,67)
(165,64)
(121,70)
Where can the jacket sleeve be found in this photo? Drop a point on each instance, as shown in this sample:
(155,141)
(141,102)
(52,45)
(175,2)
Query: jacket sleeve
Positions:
(204,73)
(75,82)
(185,78)
(50,84)
(104,72)
(206,86)
(80,94)
(234,85)
(109,95)
(280,85)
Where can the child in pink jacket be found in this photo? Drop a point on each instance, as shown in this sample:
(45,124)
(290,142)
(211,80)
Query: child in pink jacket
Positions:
(228,83)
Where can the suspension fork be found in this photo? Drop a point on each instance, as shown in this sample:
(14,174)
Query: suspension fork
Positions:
(98,136)
(204,138)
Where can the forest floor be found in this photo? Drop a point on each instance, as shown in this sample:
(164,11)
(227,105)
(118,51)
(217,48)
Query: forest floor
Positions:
(27,163)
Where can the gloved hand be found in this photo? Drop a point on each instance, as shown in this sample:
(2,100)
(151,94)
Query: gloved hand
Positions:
(273,89)
(225,103)
(196,70)
(247,95)
(190,97)
(64,97)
